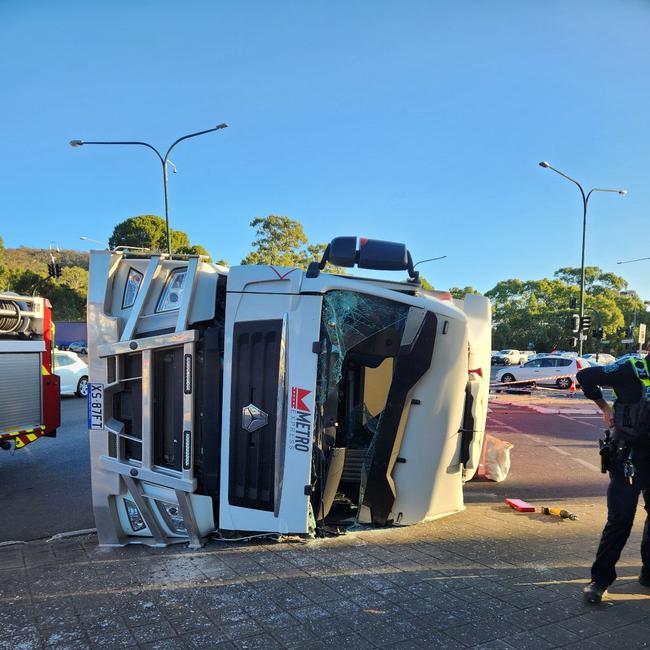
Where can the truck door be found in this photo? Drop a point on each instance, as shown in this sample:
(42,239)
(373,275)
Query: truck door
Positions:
(270,366)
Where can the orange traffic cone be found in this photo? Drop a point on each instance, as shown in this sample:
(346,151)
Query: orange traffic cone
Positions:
(572,389)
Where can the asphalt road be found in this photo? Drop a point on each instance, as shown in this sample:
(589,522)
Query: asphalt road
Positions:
(45,487)
(553,457)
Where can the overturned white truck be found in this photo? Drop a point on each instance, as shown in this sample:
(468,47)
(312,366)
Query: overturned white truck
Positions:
(277,400)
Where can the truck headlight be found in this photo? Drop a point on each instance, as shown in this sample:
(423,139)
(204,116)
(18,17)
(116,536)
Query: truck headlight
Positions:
(133,283)
(171,295)
(135,518)
(172,515)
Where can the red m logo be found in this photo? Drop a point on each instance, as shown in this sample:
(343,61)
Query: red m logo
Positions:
(297,397)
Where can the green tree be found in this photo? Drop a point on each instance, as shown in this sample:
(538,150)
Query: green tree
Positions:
(147,231)
(595,279)
(194,249)
(426,284)
(536,312)
(3,268)
(67,294)
(281,241)
(459,293)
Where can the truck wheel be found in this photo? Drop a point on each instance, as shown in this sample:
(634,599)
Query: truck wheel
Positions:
(564,383)
(82,387)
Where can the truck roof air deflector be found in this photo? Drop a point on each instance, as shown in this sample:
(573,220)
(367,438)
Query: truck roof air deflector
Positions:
(370,254)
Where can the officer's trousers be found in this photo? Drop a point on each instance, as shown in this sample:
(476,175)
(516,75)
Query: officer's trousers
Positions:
(622,501)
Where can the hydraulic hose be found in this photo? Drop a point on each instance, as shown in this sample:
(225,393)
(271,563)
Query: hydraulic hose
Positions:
(10,322)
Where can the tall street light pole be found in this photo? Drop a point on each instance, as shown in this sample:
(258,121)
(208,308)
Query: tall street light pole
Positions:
(164,160)
(638,259)
(585,204)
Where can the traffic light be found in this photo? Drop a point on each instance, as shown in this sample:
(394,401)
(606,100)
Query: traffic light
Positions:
(574,323)
(54,270)
(572,341)
(573,303)
(586,323)
(598,333)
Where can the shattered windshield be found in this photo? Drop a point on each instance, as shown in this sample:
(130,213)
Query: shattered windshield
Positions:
(349,318)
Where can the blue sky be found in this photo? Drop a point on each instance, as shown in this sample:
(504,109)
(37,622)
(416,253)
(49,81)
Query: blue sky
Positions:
(420,122)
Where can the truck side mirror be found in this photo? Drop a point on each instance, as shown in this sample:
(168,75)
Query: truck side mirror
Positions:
(383,255)
(342,251)
(371,254)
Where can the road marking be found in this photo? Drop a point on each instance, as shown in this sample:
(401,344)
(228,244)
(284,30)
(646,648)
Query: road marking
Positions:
(507,426)
(503,425)
(584,463)
(562,452)
(587,424)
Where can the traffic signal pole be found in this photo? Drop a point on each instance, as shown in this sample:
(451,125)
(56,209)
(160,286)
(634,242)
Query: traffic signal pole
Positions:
(585,201)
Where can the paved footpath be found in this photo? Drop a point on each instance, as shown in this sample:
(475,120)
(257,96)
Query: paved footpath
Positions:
(487,577)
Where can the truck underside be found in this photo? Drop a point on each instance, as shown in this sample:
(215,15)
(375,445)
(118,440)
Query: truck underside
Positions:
(265,399)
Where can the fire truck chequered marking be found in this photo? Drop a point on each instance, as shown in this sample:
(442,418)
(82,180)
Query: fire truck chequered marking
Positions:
(25,436)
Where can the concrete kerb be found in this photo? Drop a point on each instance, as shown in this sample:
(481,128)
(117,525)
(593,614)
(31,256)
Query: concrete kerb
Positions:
(548,409)
(553,410)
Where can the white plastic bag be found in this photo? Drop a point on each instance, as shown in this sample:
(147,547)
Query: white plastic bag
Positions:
(496,464)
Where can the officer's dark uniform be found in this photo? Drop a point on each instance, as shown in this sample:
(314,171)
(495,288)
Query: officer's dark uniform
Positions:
(629,379)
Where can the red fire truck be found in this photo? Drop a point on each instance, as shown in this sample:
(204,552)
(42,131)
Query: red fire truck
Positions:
(30,403)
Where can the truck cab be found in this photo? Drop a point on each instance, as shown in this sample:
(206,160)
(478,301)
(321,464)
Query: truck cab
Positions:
(277,400)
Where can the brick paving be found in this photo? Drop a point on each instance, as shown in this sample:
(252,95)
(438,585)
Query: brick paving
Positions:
(487,578)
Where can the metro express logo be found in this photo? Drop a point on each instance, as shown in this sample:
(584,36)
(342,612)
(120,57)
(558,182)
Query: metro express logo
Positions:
(300,420)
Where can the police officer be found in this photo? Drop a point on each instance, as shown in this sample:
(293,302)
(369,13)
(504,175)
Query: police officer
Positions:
(628,461)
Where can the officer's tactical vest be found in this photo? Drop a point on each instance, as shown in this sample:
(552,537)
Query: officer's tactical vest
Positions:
(632,421)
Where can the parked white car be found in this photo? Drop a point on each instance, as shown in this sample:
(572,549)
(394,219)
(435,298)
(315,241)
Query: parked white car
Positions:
(508,358)
(602,359)
(73,373)
(553,370)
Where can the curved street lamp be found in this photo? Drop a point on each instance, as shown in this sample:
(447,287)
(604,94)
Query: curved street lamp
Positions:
(585,202)
(638,259)
(431,259)
(164,160)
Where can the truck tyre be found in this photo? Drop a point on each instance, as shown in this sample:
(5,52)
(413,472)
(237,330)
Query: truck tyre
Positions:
(82,387)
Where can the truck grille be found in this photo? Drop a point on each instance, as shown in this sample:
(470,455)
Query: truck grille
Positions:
(255,368)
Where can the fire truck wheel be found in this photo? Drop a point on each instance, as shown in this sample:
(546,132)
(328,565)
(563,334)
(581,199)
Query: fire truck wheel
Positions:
(82,387)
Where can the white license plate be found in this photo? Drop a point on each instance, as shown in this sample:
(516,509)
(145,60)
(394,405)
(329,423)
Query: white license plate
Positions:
(95,406)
